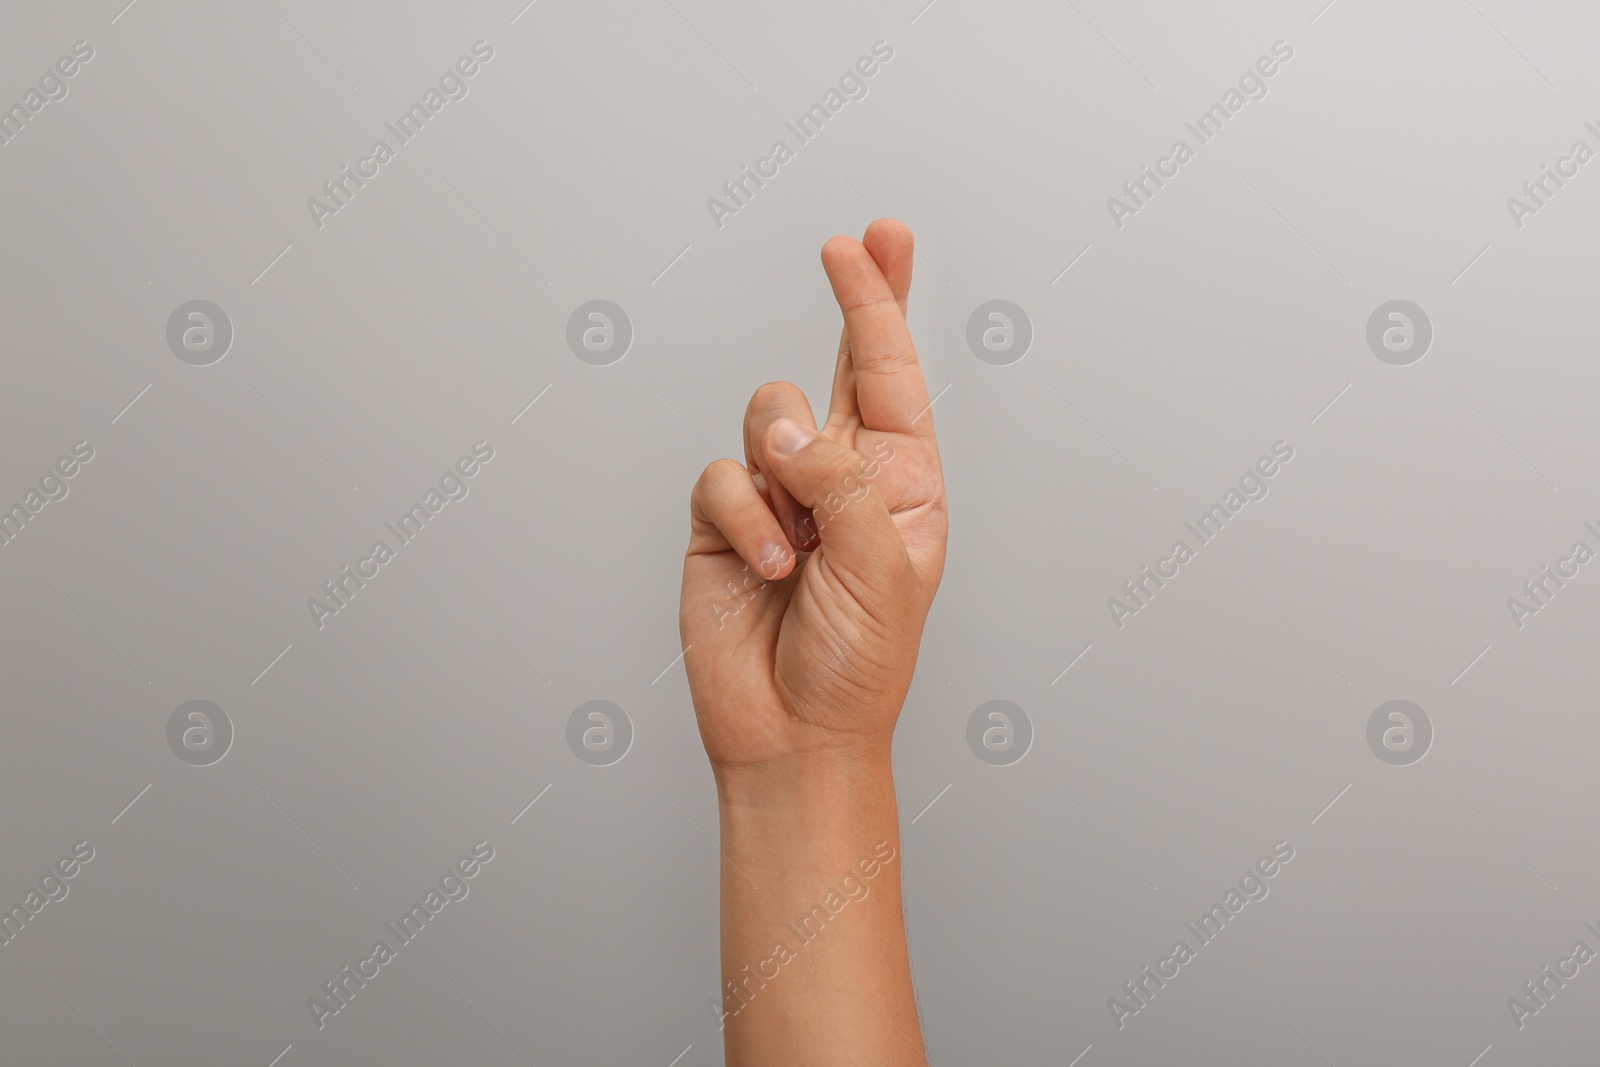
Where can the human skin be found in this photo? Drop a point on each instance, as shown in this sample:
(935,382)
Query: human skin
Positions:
(808,578)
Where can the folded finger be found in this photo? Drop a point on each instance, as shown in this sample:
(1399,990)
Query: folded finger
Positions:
(851,516)
(726,511)
(771,402)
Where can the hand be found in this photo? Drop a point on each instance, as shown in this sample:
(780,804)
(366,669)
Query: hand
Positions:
(810,568)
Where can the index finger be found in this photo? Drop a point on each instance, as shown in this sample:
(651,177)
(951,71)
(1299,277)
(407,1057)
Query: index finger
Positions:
(890,392)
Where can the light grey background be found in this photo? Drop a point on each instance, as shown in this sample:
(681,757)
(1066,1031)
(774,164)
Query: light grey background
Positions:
(427,314)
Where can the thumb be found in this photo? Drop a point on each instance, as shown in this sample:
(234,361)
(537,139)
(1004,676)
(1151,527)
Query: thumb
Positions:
(848,513)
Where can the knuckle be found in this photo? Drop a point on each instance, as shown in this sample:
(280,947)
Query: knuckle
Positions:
(871,303)
(711,477)
(719,471)
(888,359)
(771,395)
(751,514)
(847,466)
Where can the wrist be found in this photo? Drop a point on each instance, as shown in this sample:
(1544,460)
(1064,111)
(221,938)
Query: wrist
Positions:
(814,784)
(795,825)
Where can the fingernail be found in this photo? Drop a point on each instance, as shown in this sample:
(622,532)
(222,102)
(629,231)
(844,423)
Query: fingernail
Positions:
(789,437)
(773,557)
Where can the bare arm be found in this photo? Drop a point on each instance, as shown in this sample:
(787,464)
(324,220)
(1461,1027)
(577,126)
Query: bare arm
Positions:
(809,574)
(814,961)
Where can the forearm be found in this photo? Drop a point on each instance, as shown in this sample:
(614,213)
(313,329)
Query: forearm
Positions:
(814,961)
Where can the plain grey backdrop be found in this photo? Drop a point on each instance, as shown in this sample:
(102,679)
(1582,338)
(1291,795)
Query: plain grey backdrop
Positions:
(1173,344)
